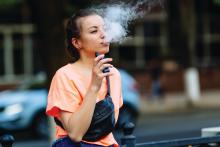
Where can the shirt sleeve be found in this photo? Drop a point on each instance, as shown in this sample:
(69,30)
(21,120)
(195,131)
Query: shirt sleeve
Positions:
(63,95)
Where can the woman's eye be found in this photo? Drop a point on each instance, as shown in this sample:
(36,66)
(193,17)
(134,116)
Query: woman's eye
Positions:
(93,31)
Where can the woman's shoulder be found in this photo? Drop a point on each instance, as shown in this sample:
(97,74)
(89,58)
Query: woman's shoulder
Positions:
(64,70)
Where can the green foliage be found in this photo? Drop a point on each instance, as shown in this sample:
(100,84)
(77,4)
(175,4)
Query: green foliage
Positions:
(217,2)
(9,2)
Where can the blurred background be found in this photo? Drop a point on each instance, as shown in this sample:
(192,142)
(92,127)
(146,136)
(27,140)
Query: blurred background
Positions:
(172,61)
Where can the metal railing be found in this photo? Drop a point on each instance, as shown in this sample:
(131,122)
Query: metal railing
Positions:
(187,142)
(7,140)
(129,140)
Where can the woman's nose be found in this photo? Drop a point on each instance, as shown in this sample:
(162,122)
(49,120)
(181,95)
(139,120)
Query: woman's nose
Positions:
(102,34)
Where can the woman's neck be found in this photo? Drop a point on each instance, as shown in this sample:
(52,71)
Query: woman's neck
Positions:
(86,64)
(83,67)
(86,61)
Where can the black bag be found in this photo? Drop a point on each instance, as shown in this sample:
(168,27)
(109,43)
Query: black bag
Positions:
(103,120)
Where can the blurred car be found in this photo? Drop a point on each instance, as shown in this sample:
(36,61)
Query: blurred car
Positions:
(24,107)
(131,100)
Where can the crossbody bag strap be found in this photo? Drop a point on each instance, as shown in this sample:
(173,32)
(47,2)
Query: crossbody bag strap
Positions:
(108,85)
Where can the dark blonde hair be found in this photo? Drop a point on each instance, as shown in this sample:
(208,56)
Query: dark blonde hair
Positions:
(73,31)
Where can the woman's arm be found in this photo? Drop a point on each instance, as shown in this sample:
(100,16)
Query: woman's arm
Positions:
(76,124)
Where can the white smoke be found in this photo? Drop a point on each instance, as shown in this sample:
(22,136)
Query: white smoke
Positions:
(117,17)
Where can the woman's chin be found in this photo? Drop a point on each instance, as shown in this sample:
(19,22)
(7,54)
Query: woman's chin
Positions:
(103,50)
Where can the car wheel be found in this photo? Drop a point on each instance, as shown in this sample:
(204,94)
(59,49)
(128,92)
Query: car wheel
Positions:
(41,126)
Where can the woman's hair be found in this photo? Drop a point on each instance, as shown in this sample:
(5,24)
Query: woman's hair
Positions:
(73,30)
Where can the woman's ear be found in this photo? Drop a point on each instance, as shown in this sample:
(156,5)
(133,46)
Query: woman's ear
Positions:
(76,43)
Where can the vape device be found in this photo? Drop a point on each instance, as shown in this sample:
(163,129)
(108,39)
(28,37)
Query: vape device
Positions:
(105,69)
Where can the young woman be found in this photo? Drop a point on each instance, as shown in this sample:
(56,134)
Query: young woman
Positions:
(77,87)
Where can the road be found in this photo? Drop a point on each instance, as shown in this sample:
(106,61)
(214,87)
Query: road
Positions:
(160,126)
(175,125)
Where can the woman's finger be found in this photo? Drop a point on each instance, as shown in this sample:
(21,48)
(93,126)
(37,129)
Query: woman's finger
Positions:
(98,58)
(103,61)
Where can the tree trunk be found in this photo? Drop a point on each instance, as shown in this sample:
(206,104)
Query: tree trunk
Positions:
(49,16)
(178,37)
(189,27)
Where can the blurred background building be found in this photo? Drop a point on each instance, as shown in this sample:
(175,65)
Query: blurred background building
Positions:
(178,34)
(173,49)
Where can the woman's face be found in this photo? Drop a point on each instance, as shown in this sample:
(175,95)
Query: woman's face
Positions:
(92,35)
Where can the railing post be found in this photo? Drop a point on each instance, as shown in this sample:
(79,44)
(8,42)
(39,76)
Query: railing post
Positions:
(128,140)
(7,140)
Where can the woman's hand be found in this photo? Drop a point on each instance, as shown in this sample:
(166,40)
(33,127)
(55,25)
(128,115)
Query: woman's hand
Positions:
(99,64)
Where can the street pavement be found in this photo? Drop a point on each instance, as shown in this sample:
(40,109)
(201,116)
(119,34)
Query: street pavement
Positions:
(175,125)
(175,116)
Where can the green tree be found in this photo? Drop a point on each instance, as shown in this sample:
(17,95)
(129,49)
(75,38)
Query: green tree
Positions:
(217,2)
(4,3)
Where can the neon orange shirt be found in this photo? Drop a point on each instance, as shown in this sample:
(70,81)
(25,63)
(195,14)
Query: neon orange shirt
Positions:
(67,90)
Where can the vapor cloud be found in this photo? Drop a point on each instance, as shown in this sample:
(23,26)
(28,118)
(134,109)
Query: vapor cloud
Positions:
(118,16)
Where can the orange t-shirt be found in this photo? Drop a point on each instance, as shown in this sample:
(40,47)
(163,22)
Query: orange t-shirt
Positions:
(67,90)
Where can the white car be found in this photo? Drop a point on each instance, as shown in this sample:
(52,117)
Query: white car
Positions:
(24,108)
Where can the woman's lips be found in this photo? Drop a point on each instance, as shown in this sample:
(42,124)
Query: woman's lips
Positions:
(105,44)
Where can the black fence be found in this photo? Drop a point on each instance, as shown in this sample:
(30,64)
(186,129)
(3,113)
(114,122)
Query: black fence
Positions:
(129,140)
(7,140)
(188,142)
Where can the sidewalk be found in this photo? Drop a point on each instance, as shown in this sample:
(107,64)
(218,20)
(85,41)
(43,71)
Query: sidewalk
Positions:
(179,102)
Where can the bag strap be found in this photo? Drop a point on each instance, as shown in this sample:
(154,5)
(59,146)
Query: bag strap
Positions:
(108,85)
(107,79)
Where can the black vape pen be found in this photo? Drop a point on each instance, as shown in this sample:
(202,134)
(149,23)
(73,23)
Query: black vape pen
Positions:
(105,69)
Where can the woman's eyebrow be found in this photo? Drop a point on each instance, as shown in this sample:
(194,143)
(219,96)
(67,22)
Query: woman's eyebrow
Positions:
(95,27)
